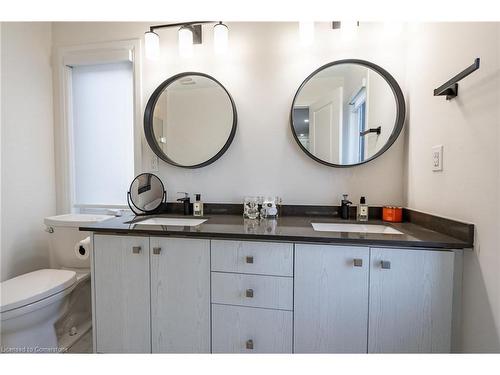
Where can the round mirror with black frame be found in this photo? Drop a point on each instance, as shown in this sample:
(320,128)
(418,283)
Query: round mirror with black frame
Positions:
(347,113)
(146,194)
(190,120)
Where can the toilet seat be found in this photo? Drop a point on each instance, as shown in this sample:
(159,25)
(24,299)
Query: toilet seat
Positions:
(28,291)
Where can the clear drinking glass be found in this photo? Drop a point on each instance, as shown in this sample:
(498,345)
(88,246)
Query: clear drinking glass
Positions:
(251,207)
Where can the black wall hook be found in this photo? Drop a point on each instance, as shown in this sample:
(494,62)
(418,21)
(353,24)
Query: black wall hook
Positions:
(372,130)
(450,88)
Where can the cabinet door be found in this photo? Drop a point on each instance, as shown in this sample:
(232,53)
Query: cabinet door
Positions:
(331,299)
(121,277)
(180,290)
(237,329)
(410,301)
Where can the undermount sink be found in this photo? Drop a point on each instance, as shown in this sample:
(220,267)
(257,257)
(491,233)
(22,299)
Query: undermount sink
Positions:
(354,228)
(172,221)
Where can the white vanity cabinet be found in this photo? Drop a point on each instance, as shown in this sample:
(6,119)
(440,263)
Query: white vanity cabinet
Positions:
(331,299)
(121,294)
(411,295)
(151,294)
(180,295)
(358,300)
(252,297)
(190,295)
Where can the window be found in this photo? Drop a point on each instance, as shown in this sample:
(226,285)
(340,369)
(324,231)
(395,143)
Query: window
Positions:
(99,142)
(103,133)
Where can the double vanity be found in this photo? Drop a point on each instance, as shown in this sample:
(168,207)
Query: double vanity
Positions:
(297,284)
(305,282)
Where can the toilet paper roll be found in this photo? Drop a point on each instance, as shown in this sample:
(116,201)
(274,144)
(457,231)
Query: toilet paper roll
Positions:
(82,249)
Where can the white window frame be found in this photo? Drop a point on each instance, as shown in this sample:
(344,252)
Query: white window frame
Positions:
(89,54)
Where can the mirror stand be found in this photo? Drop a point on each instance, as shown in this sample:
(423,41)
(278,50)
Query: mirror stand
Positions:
(142,213)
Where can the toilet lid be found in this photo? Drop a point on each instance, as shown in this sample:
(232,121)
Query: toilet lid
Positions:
(33,287)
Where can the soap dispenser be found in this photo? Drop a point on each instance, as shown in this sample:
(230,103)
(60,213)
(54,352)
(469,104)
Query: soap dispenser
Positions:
(198,206)
(344,207)
(362,210)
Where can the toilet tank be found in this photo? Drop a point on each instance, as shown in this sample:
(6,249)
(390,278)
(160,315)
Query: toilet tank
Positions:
(64,235)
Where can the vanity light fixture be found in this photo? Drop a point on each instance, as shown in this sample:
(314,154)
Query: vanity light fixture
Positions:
(344,24)
(152,45)
(185,35)
(189,33)
(306,33)
(348,30)
(221,37)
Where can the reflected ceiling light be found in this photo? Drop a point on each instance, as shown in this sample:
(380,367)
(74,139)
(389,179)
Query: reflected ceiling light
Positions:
(221,38)
(152,45)
(185,35)
(306,33)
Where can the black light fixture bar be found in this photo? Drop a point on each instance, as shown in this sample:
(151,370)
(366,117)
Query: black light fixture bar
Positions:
(179,24)
(195,26)
(450,88)
(338,24)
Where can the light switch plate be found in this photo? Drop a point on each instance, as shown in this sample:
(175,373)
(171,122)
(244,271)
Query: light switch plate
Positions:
(437,158)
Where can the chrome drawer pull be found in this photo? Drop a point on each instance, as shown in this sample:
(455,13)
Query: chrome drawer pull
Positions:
(136,250)
(156,250)
(249,344)
(249,260)
(358,262)
(249,293)
(385,264)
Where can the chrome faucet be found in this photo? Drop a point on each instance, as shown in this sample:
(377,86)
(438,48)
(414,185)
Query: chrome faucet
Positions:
(344,209)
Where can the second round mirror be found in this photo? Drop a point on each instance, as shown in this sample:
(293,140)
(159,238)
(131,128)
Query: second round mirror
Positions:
(347,113)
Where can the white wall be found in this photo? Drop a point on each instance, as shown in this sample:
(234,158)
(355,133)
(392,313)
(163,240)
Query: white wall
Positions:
(468,128)
(262,71)
(27,146)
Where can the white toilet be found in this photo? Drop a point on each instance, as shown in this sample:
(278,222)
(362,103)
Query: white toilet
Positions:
(47,310)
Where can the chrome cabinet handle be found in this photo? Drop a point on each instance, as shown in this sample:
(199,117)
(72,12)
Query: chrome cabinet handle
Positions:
(249,260)
(385,264)
(249,344)
(249,293)
(358,262)
(136,249)
(156,250)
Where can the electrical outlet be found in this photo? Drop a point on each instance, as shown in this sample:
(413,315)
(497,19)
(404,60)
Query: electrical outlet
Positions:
(437,158)
(154,163)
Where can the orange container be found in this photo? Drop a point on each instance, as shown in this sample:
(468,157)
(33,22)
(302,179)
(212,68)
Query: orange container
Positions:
(392,214)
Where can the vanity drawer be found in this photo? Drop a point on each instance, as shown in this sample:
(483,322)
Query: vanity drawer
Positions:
(272,292)
(262,258)
(251,330)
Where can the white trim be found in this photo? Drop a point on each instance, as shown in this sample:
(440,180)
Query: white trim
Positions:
(83,55)
(107,56)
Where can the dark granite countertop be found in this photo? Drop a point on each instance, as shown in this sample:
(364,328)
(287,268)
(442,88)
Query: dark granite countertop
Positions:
(284,229)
